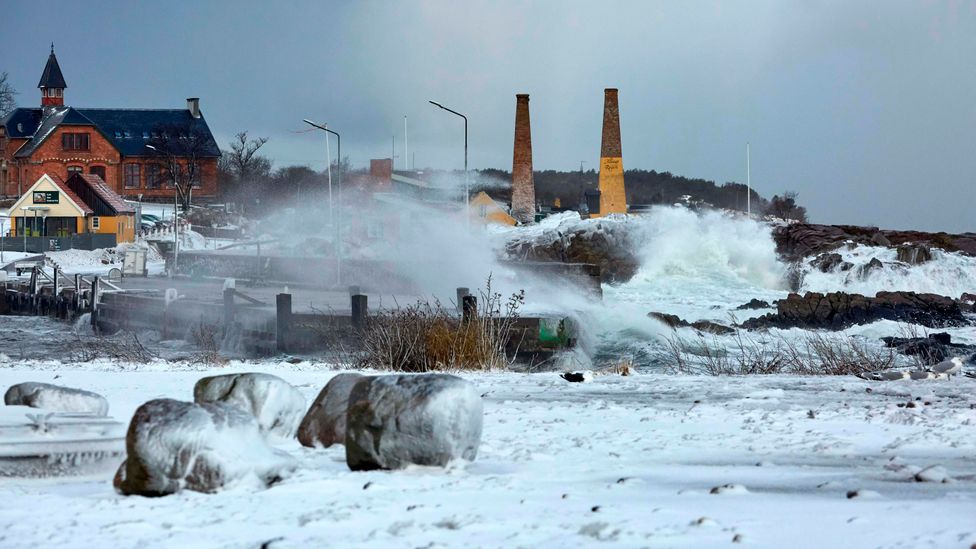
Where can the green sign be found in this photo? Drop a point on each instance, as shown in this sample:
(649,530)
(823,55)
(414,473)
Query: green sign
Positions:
(47,197)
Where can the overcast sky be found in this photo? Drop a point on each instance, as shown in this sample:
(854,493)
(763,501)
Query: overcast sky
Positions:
(867,109)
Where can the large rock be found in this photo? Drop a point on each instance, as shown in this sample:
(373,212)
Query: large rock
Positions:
(914,254)
(929,350)
(55,398)
(840,310)
(397,420)
(173,445)
(707,326)
(325,422)
(608,243)
(276,405)
(799,240)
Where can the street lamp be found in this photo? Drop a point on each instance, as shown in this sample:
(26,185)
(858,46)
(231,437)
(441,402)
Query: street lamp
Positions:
(24,228)
(466,192)
(176,220)
(328,162)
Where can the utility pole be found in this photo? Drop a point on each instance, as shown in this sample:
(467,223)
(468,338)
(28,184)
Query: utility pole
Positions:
(748,181)
(406,149)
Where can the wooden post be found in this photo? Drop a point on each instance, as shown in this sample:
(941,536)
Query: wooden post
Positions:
(461,293)
(359,308)
(283,321)
(77,297)
(469,308)
(228,308)
(57,281)
(94,304)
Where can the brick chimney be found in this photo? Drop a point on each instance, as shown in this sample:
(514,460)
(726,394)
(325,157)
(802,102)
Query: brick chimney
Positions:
(523,186)
(613,197)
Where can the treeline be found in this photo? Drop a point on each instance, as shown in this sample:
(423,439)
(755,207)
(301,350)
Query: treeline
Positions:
(649,187)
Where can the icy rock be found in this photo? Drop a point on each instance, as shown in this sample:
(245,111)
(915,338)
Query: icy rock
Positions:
(325,422)
(55,398)
(173,445)
(276,405)
(397,420)
(933,473)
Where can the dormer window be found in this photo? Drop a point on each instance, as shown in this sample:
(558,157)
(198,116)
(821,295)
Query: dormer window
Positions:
(127,134)
(145,135)
(118,135)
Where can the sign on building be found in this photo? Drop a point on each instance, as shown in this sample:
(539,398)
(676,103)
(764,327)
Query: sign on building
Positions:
(47,197)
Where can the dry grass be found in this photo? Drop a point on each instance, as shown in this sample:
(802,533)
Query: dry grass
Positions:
(207,338)
(426,337)
(122,347)
(761,353)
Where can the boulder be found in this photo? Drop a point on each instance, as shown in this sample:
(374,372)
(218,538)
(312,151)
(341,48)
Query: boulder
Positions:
(277,406)
(828,262)
(914,254)
(325,422)
(840,310)
(55,398)
(673,321)
(398,420)
(930,350)
(754,304)
(864,271)
(173,445)
(798,240)
(608,243)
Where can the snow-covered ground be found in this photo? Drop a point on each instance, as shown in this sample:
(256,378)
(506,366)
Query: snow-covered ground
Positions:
(621,461)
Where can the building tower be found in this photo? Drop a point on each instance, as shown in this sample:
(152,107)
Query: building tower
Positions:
(52,83)
(523,186)
(613,197)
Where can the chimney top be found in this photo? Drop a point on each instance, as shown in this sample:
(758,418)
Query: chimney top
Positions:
(193,105)
(522,96)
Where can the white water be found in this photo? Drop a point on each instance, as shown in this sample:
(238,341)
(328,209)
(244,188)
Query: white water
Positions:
(703,266)
(948,274)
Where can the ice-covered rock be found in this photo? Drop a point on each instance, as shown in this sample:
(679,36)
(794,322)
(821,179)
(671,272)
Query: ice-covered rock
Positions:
(397,420)
(325,422)
(276,405)
(55,398)
(173,445)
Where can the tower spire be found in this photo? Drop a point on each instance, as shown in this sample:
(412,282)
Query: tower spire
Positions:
(52,82)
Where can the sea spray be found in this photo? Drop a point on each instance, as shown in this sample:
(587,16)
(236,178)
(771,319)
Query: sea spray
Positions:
(948,274)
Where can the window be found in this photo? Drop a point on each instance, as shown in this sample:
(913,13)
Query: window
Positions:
(98,170)
(59,91)
(96,224)
(74,141)
(154,176)
(74,169)
(132,176)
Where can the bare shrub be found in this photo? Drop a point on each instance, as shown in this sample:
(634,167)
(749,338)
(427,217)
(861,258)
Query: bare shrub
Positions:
(762,353)
(207,338)
(426,336)
(122,347)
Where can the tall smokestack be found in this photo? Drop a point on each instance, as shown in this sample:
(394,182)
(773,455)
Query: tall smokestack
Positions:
(613,197)
(523,186)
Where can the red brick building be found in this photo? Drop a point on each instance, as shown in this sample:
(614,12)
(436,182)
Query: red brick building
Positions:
(135,151)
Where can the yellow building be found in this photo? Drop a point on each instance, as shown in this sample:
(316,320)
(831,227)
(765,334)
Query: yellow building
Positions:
(484,208)
(83,204)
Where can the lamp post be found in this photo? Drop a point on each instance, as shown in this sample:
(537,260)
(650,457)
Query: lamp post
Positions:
(328,163)
(3,236)
(24,228)
(466,191)
(176,219)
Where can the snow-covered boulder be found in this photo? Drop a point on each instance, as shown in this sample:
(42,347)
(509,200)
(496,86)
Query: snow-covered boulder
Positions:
(173,445)
(55,398)
(276,405)
(397,420)
(325,422)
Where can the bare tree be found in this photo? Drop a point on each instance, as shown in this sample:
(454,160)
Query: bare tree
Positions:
(785,207)
(179,148)
(243,154)
(7,93)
